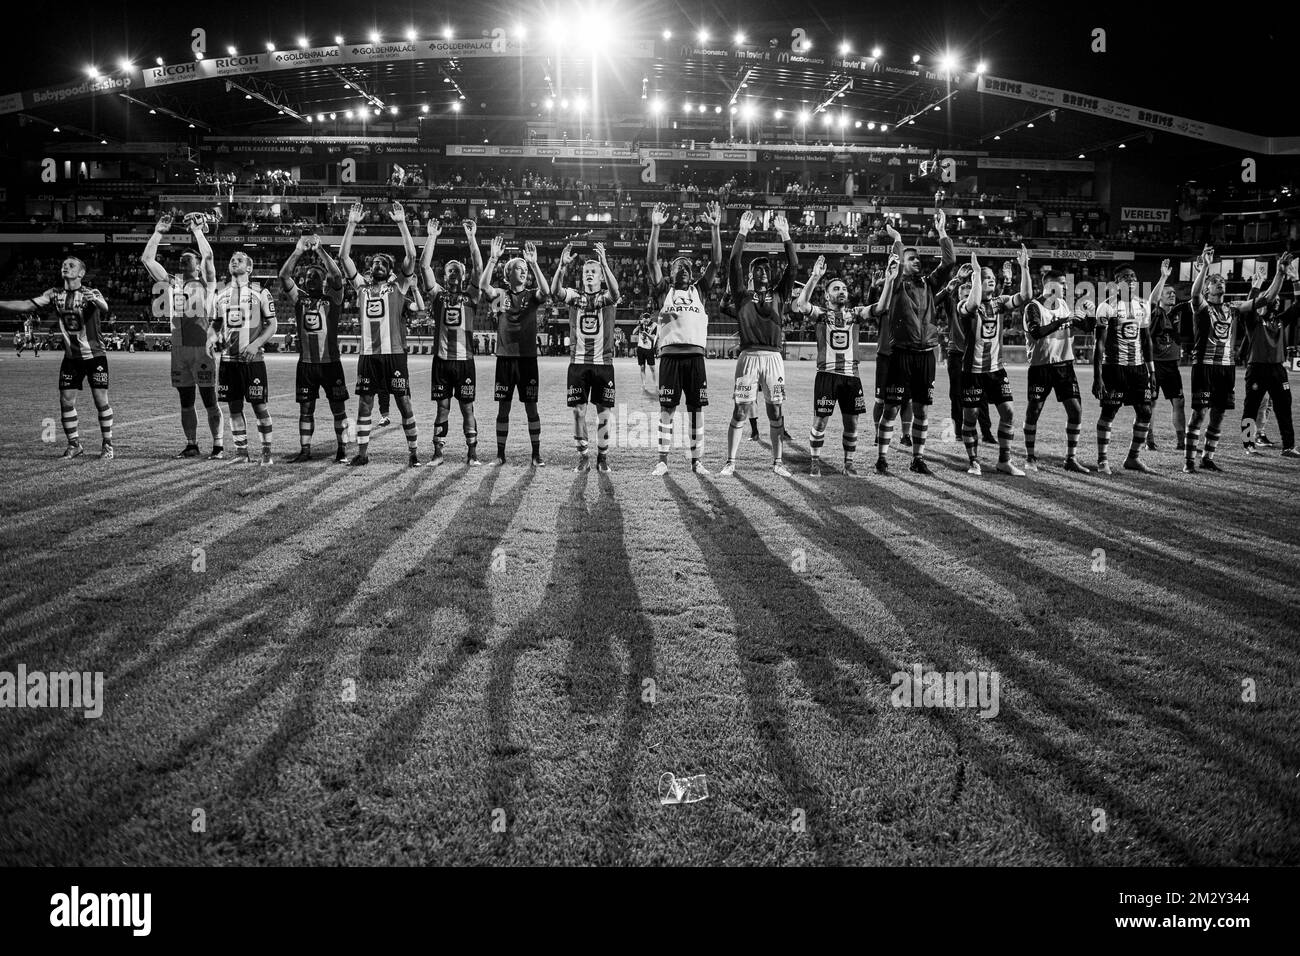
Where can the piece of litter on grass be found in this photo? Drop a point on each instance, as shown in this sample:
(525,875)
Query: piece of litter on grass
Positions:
(673,789)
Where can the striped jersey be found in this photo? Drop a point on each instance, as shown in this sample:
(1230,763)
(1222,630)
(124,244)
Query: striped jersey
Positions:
(242,310)
(683,321)
(318,326)
(1216,331)
(381,313)
(453,320)
(1056,346)
(983,329)
(1119,327)
(647,335)
(516,314)
(189,310)
(80,312)
(591,326)
(837,339)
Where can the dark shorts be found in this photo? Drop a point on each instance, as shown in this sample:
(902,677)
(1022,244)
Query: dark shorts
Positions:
(1169,379)
(1213,386)
(517,373)
(683,374)
(314,376)
(906,376)
(985,388)
(591,383)
(1266,379)
(1057,378)
(1124,385)
(73,370)
(830,389)
(383,375)
(645,357)
(243,381)
(453,378)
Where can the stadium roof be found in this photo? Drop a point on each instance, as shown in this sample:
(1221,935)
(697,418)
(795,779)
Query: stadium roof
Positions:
(471,99)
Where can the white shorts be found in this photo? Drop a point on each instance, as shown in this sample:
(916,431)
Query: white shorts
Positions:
(192,365)
(760,370)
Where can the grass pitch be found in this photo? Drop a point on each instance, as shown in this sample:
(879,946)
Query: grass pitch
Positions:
(530,650)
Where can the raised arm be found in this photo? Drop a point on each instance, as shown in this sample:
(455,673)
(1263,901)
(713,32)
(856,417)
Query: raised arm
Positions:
(1153,300)
(530,257)
(1270,294)
(150,255)
(398,214)
(896,241)
(475,253)
(1201,268)
(485,280)
(947,253)
(713,216)
(345,247)
(972,303)
(206,261)
(610,281)
(803,304)
(785,284)
(331,267)
(735,274)
(557,283)
(1026,280)
(887,290)
(286,271)
(426,257)
(658,216)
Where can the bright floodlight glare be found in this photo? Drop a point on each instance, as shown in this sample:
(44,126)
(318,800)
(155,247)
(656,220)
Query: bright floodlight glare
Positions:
(320,117)
(871,125)
(997,137)
(159,60)
(550,103)
(378,111)
(338,40)
(231,51)
(455,107)
(733,111)
(348,114)
(703,108)
(717,109)
(948,63)
(803,116)
(875,52)
(564,104)
(776,115)
(844,120)
(302,43)
(981,67)
(270,47)
(748,111)
(857,124)
(1123,145)
(883,127)
(92,72)
(740,38)
(668,34)
(424,107)
(1031,125)
(446,33)
(702,36)
(580,104)
(844,48)
(125,65)
(656,106)
(1081,155)
(916,58)
(334,116)
(393,110)
(826,119)
(411,34)
(374,36)
(687,107)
